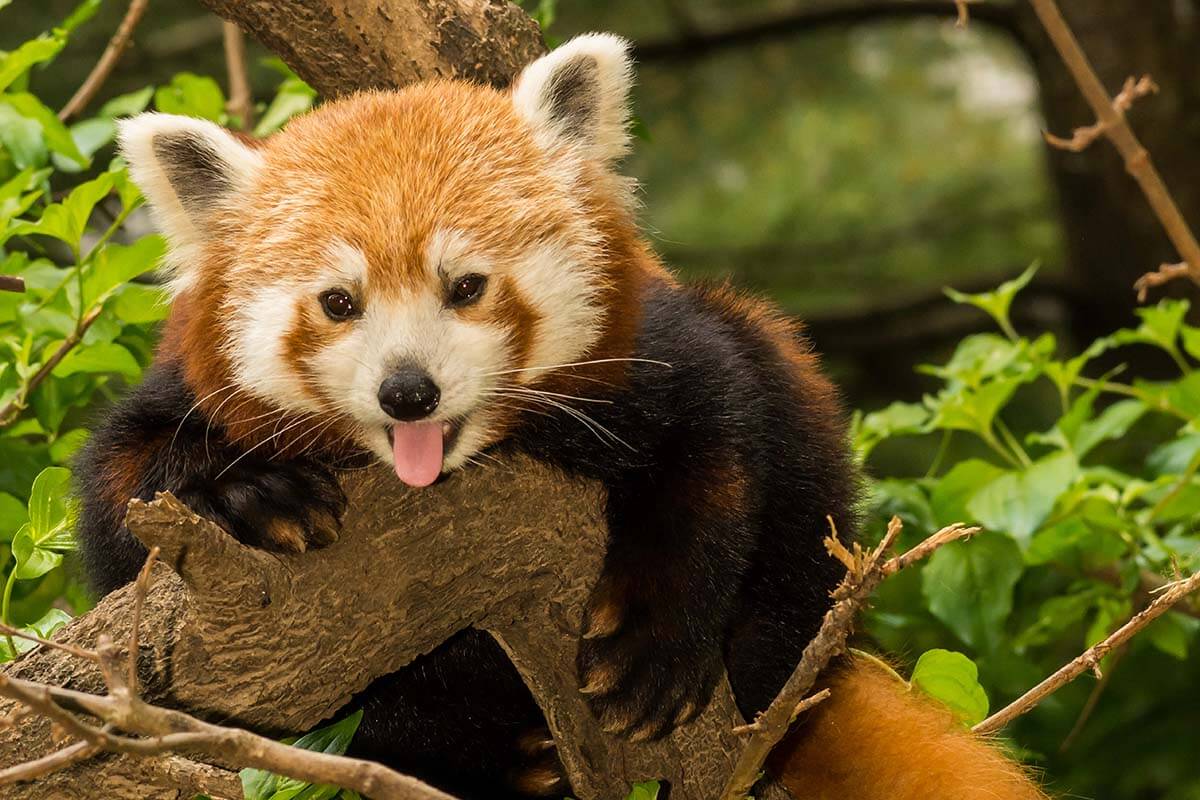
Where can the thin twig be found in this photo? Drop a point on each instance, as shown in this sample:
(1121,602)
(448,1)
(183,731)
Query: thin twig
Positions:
(1092,701)
(964,14)
(139,600)
(1090,658)
(59,759)
(1112,124)
(108,60)
(1083,137)
(864,572)
(12,283)
(78,652)
(14,407)
(241,98)
(801,707)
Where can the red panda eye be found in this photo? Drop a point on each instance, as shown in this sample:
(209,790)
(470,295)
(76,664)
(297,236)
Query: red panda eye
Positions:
(467,290)
(338,305)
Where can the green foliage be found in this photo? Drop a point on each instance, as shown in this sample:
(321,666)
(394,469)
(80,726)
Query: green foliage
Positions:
(87,322)
(333,739)
(953,679)
(1078,513)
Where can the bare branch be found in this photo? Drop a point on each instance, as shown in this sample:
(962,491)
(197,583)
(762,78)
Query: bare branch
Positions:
(1111,123)
(241,98)
(864,572)
(1083,137)
(1090,659)
(108,61)
(59,759)
(141,587)
(12,283)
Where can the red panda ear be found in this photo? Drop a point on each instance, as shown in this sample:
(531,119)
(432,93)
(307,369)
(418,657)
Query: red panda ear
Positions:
(187,169)
(577,97)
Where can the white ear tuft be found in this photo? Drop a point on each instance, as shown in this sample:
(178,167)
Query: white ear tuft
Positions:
(187,168)
(578,96)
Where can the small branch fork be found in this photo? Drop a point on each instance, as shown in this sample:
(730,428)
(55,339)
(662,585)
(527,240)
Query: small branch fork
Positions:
(164,730)
(864,572)
(1111,123)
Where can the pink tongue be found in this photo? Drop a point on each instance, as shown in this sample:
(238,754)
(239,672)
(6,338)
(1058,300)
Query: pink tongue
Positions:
(417,451)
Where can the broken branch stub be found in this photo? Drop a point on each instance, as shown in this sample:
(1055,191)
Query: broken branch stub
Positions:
(281,642)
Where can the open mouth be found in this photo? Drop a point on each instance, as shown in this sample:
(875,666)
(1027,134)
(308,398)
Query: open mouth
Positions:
(419,448)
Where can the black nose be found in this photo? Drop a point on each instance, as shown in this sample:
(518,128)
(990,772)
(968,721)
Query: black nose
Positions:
(409,394)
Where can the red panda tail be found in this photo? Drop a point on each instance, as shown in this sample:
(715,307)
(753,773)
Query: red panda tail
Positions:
(875,739)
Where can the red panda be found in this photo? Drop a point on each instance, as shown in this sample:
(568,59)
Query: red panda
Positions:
(438,275)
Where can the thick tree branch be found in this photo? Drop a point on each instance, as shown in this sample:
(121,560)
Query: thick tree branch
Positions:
(512,549)
(339,46)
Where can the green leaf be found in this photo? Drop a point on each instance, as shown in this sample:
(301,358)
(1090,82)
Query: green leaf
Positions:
(31,560)
(192,96)
(997,302)
(35,51)
(294,97)
(1172,633)
(645,790)
(969,587)
(12,516)
(334,739)
(127,105)
(50,622)
(953,679)
(65,446)
(138,304)
(117,264)
(1173,457)
(1113,423)
(58,138)
(898,419)
(22,137)
(81,14)
(99,358)
(67,220)
(1018,502)
(48,508)
(955,489)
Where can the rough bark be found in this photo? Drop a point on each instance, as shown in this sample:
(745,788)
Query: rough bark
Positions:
(340,46)
(280,642)
(1110,233)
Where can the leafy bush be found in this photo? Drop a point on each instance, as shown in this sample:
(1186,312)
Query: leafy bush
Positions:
(86,322)
(1083,517)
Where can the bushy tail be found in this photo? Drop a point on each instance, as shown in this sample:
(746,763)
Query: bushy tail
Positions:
(875,739)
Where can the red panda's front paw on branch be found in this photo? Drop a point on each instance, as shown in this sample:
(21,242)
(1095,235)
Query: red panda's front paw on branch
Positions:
(286,506)
(644,675)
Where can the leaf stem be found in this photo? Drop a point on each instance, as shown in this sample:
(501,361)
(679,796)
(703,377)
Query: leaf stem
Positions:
(1012,442)
(8,587)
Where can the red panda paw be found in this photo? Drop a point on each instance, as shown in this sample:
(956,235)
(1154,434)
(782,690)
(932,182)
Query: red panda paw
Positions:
(282,506)
(641,681)
(542,774)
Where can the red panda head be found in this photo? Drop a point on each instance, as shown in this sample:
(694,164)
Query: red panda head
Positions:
(397,268)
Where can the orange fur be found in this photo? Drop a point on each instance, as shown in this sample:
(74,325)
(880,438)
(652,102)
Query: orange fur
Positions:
(876,739)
